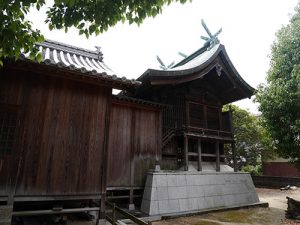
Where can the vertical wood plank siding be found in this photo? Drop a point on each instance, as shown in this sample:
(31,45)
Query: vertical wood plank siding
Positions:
(59,145)
(134,137)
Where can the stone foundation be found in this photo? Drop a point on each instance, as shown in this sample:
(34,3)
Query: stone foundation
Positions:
(5,214)
(179,192)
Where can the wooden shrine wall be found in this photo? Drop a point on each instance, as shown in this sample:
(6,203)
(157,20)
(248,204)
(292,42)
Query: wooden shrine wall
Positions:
(134,141)
(59,142)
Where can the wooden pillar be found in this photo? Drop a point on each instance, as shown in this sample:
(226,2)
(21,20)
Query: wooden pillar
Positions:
(101,219)
(102,212)
(186,153)
(234,156)
(131,205)
(199,155)
(217,151)
(133,136)
(159,143)
(205,115)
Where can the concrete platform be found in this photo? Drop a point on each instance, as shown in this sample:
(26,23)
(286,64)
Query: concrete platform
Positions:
(179,192)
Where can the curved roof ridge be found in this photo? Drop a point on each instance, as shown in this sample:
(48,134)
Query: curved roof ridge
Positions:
(198,67)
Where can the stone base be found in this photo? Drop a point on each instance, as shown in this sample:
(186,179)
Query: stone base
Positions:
(5,214)
(131,207)
(178,192)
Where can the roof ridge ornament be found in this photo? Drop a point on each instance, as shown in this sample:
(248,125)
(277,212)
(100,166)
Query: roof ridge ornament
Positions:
(99,53)
(212,39)
(162,65)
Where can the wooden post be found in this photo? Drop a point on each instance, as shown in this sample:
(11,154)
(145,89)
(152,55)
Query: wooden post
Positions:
(159,143)
(101,220)
(220,119)
(217,150)
(186,153)
(234,156)
(101,215)
(205,116)
(199,155)
(114,214)
(131,204)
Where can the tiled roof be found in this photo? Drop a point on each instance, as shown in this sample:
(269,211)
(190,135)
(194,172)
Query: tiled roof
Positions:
(78,60)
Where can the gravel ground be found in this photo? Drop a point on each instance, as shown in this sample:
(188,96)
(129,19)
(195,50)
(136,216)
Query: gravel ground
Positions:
(277,199)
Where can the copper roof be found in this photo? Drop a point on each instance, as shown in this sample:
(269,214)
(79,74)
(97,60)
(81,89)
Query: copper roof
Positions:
(197,66)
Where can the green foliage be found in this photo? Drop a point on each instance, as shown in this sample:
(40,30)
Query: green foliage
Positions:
(252,141)
(16,33)
(89,17)
(95,17)
(280,98)
(253,170)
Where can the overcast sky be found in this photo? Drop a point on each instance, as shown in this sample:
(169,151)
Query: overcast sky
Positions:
(249,28)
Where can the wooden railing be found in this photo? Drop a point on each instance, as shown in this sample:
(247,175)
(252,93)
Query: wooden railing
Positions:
(115,209)
(211,132)
(168,136)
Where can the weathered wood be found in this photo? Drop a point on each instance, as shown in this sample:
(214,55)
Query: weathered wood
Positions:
(51,212)
(199,155)
(132,130)
(126,214)
(217,149)
(205,116)
(59,137)
(186,151)
(159,137)
(102,213)
(234,156)
(220,119)
(134,137)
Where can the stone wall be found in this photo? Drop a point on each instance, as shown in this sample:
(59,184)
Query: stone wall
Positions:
(177,192)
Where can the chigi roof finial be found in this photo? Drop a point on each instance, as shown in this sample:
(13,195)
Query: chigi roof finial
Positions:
(99,52)
(212,39)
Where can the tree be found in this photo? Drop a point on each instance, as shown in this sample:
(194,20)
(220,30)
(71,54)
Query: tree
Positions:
(280,98)
(89,17)
(252,141)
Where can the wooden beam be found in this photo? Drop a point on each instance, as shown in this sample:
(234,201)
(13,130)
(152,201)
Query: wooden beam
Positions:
(193,153)
(217,150)
(51,212)
(186,151)
(199,155)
